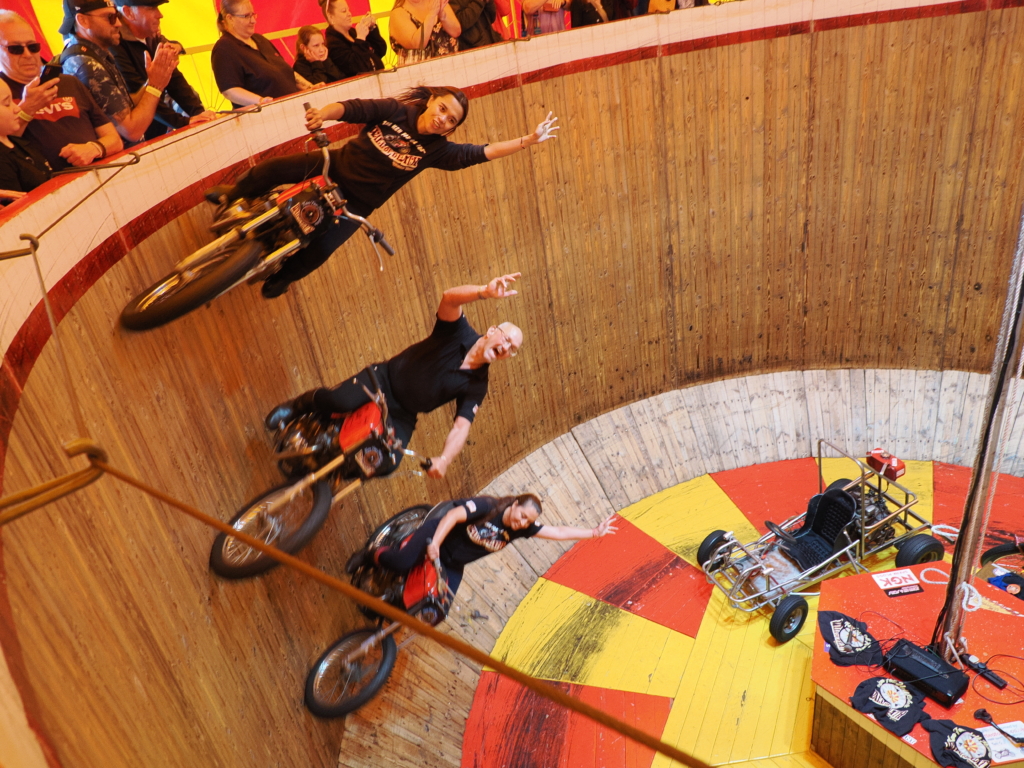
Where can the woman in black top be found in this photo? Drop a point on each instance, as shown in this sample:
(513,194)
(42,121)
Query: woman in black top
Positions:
(22,166)
(247,66)
(353,50)
(401,138)
(475,528)
(311,57)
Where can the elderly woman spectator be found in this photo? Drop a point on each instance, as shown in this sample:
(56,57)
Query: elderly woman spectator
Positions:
(353,50)
(22,166)
(247,66)
(423,29)
(311,60)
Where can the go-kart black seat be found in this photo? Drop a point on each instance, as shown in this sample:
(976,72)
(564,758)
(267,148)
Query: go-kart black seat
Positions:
(828,514)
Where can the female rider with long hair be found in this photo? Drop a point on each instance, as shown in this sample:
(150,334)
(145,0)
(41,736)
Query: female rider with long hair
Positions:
(472,529)
(401,137)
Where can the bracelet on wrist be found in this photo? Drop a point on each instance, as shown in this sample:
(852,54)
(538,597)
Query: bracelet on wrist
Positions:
(154,91)
(101,148)
(25,116)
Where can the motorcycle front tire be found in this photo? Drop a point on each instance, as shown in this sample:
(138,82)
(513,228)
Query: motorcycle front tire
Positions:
(172,297)
(292,529)
(359,683)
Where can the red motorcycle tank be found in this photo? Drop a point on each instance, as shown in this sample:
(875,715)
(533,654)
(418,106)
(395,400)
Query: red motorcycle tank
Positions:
(363,423)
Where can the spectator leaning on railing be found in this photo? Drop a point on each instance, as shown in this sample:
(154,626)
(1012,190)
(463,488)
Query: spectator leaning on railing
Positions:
(92,28)
(140,37)
(423,29)
(311,57)
(22,167)
(247,66)
(353,50)
(59,116)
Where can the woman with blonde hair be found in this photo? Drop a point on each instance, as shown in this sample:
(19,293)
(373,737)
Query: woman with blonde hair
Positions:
(353,49)
(311,57)
(247,67)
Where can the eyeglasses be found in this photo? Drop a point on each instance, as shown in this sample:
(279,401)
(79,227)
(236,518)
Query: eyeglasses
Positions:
(18,50)
(512,348)
(110,17)
(246,16)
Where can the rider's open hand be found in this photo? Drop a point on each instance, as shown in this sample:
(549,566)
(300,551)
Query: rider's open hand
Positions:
(498,288)
(605,527)
(314,119)
(546,130)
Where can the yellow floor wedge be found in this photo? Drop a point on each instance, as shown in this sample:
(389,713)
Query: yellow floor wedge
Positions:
(558,633)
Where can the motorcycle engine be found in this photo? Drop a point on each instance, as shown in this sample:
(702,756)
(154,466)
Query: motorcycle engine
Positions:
(303,445)
(310,211)
(876,509)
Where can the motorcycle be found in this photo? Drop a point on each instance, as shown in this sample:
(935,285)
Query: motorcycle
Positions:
(356,666)
(324,458)
(253,240)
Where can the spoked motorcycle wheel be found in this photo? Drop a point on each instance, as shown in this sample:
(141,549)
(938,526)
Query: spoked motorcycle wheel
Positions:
(289,528)
(179,293)
(336,686)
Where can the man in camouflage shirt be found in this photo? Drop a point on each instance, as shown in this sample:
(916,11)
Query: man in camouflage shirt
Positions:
(92,27)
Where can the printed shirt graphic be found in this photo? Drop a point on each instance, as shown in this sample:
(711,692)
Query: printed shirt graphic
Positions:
(59,108)
(397,145)
(892,703)
(478,536)
(956,745)
(848,641)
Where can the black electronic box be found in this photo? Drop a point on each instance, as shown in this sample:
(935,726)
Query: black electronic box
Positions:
(931,674)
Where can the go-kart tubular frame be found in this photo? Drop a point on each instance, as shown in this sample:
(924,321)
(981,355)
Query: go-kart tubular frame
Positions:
(738,569)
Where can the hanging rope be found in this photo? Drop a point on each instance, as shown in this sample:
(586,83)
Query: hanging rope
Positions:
(540,687)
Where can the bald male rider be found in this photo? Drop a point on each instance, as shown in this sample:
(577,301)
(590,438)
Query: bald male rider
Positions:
(450,364)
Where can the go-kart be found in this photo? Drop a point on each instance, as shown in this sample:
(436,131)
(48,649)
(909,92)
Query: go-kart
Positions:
(845,523)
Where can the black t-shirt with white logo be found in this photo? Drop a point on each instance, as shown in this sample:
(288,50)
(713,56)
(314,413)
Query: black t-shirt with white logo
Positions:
(389,151)
(893,703)
(479,536)
(849,644)
(957,745)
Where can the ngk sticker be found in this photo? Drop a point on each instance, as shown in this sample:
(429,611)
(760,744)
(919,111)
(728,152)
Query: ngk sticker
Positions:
(898,583)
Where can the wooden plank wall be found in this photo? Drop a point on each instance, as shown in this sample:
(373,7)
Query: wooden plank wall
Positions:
(843,200)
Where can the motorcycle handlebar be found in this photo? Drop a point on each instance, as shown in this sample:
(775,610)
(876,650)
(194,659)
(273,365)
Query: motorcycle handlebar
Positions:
(384,243)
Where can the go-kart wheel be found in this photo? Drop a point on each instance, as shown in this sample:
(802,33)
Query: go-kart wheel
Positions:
(777,530)
(789,618)
(1007,556)
(919,549)
(707,547)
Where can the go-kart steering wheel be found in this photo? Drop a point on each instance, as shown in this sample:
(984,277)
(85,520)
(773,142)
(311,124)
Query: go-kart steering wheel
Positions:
(777,530)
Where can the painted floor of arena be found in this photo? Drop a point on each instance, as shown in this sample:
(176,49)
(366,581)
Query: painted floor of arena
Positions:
(629,624)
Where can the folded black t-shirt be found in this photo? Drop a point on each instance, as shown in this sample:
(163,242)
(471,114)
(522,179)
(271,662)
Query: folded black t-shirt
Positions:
(895,705)
(957,745)
(849,644)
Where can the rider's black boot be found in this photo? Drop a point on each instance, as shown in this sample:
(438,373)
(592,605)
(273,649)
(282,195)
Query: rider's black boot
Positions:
(287,411)
(361,558)
(274,286)
(221,194)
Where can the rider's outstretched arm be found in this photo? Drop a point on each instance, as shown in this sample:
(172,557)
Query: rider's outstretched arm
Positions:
(450,308)
(452,518)
(456,439)
(571,533)
(543,132)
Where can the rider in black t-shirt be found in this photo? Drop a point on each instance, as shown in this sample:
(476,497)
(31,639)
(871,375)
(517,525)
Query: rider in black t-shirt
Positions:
(475,528)
(450,364)
(401,137)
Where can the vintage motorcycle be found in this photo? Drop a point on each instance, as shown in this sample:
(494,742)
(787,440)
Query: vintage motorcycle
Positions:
(356,666)
(254,239)
(324,458)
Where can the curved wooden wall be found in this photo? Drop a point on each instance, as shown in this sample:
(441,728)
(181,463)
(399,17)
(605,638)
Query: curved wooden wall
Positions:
(809,193)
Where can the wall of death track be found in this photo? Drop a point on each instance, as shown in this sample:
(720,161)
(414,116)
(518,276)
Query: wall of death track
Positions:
(737,190)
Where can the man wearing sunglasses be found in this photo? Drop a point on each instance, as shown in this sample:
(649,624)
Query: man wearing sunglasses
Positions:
(92,27)
(59,116)
(140,38)
(452,363)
